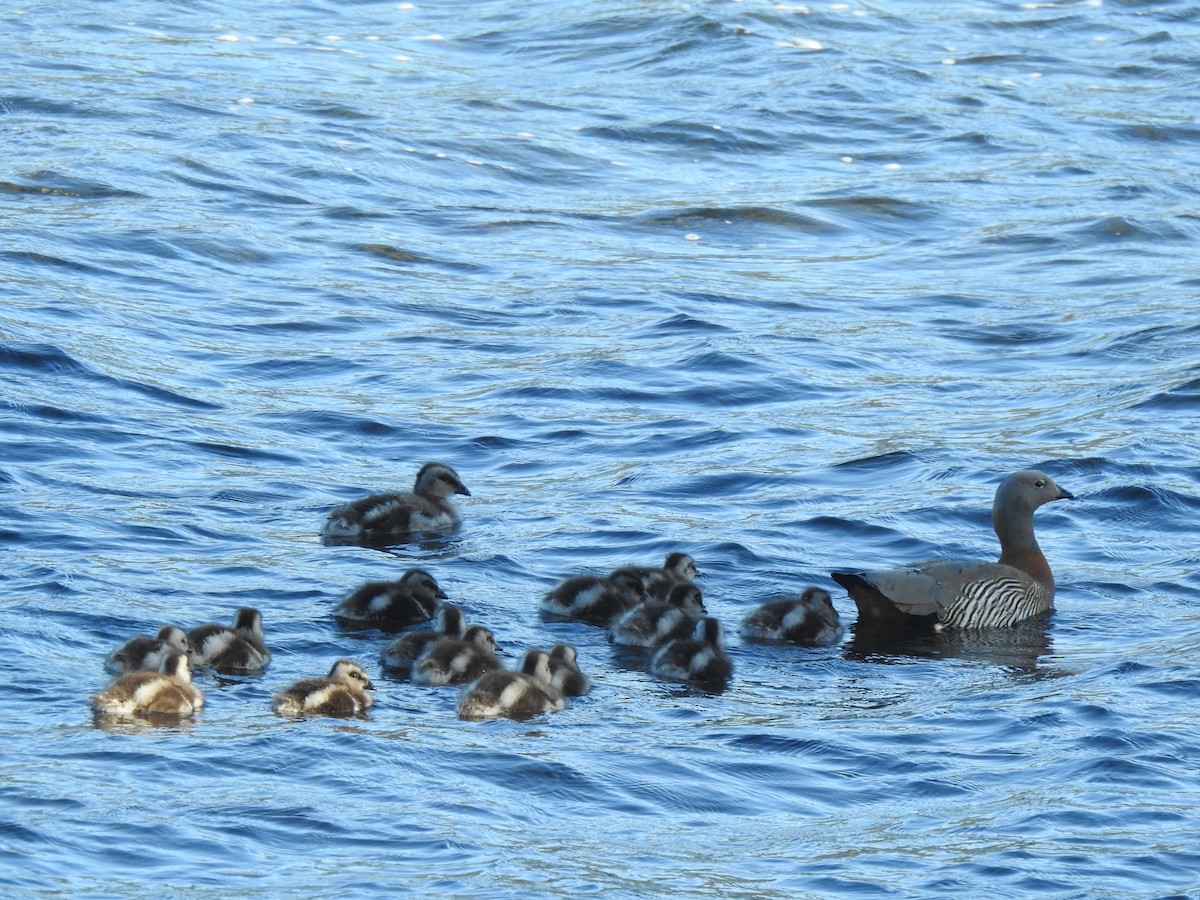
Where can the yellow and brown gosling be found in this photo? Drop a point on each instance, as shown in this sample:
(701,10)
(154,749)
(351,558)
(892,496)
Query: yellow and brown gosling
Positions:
(343,692)
(565,673)
(168,692)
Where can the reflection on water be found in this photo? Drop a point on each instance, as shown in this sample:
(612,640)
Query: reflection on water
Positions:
(1019,647)
(115,723)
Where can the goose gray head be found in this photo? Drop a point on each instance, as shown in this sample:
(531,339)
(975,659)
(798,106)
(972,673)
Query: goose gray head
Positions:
(1012,513)
(438,480)
(1023,492)
(351,674)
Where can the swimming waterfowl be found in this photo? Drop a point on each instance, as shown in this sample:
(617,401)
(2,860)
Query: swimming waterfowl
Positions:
(654,622)
(403,652)
(513,695)
(450,660)
(597,601)
(143,653)
(657,581)
(343,692)
(565,674)
(700,658)
(958,594)
(168,692)
(393,605)
(239,650)
(381,518)
(808,619)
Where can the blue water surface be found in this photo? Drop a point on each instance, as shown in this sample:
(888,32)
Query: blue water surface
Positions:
(787,287)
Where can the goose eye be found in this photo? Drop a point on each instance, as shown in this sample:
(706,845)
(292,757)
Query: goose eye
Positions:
(1039,483)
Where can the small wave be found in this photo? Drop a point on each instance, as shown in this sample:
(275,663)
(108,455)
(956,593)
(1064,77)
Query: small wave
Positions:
(1182,397)
(693,136)
(47,359)
(681,323)
(55,184)
(1111,229)
(1160,134)
(748,216)
(400,256)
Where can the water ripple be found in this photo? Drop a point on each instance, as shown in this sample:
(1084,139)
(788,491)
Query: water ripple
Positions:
(787,288)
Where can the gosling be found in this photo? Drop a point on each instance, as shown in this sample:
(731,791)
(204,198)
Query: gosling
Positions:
(565,674)
(239,650)
(655,622)
(167,692)
(700,658)
(809,619)
(596,601)
(143,653)
(513,695)
(679,568)
(343,692)
(392,605)
(386,518)
(401,653)
(458,660)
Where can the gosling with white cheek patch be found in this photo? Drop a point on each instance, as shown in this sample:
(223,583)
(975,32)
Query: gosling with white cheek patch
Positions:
(678,568)
(341,693)
(403,652)
(458,660)
(391,517)
(700,658)
(655,622)
(144,654)
(809,619)
(596,601)
(513,695)
(392,605)
(239,650)
(168,692)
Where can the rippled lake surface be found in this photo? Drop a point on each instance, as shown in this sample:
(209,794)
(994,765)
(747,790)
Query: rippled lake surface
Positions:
(788,287)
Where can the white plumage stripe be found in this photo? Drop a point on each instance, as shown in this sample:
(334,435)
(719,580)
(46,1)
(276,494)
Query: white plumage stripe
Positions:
(995,602)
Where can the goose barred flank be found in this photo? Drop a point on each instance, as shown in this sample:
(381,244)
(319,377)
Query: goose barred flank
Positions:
(953,594)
